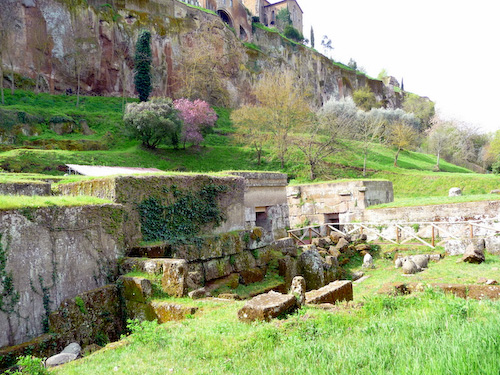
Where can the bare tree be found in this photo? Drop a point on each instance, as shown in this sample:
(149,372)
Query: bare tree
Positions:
(81,44)
(369,129)
(439,137)
(403,137)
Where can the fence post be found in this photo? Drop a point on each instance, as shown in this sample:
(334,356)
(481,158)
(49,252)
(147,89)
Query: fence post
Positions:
(471,231)
(397,234)
(433,236)
(310,235)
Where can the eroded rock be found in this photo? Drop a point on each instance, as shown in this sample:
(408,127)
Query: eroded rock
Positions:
(298,289)
(339,290)
(267,306)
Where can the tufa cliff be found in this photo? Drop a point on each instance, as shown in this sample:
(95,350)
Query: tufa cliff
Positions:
(58,43)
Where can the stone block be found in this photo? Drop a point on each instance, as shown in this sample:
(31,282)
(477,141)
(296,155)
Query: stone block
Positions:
(136,289)
(311,268)
(189,252)
(166,312)
(484,291)
(298,289)
(243,261)
(342,245)
(492,245)
(251,275)
(217,268)
(474,253)
(458,290)
(286,246)
(287,268)
(267,307)
(174,278)
(340,290)
(232,281)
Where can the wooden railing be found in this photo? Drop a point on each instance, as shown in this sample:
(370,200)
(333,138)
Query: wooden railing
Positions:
(427,233)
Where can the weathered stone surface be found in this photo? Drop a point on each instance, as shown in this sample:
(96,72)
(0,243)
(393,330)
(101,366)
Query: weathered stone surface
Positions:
(174,279)
(474,253)
(25,188)
(195,279)
(332,261)
(342,245)
(298,289)
(286,246)
(398,263)
(335,237)
(484,291)
(459,290)
(198,293)
(73,348)
(287,267)
(267,306)
(421,260)
(243,261)
(394,289)
(82,254)
(60,359)
(321,242)
(363,247)
(357,275)
(252,275)
(368,261)
(456,247)
(455,192)
(435,257)
(340,290)
(217,268)
(409,267)
(492,245)
(166,312)
(139,310)
(136,289)
(232,281)
(89,315)
(311,268)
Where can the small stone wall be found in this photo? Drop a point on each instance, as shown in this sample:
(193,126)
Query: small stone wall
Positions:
(132,190)
(52,254)
(315,202)
(25,188)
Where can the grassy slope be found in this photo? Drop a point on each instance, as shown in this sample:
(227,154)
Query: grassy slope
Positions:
(219,152)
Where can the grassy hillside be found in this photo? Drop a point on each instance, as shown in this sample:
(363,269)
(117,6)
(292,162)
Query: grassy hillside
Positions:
(105,144)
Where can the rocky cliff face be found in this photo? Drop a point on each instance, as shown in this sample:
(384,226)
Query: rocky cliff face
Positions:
(59,42)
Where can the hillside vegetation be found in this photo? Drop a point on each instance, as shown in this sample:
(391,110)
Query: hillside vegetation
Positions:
(46,152)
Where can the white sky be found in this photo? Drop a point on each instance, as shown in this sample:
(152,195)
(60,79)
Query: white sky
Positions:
(447,50)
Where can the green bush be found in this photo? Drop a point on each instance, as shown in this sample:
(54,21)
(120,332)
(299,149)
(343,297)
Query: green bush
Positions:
(292,33)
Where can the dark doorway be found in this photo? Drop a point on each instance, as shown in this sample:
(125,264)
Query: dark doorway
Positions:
(262,219)
(333,219)
(225,17)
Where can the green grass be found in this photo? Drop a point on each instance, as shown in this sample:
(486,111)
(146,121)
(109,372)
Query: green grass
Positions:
(427,333)
(8,202)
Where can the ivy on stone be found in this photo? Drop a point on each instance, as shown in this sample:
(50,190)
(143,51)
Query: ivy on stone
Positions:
(182,219)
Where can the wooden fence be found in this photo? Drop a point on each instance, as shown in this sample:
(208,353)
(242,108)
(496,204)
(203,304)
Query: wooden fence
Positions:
(431,234)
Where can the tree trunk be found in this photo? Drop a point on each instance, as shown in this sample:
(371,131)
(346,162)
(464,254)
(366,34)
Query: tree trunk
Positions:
(437,162)
(78,89)
(312,174)
(365,155)
(396,157)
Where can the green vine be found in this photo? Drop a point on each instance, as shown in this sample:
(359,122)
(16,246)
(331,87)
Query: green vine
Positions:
(183,218)
(45,294)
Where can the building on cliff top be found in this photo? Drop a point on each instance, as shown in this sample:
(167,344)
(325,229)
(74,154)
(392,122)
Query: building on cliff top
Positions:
(235,12)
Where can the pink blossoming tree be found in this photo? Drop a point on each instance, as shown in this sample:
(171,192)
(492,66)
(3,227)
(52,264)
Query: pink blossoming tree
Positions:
(198,119)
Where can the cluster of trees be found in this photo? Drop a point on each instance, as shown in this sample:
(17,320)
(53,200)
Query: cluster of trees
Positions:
(282,118)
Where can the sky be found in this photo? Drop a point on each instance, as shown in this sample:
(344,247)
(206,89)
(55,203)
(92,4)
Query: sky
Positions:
(447,50)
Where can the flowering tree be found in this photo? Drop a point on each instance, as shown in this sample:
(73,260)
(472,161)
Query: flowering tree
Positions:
(198,119)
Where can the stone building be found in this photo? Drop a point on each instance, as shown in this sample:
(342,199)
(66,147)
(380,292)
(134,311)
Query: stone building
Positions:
(232,12)
(335,202)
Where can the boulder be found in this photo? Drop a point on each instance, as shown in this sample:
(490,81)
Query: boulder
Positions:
(359,237)
(198,293)
(286,246)
(298,289)
(267,306)
(455,192)
(368,261)
(332,261)
(217,268)
(60,359)
(495,191)
(311,268)
(340,290)
(363,247)
(342,245)
(421,260)
(321,242)
(252,275)
(166,311)
(335,237)
(409,267)
(474,253)
(398,263)
(73,348)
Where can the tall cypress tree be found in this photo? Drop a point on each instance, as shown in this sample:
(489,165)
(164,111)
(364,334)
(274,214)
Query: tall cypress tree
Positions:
(312,37)
(142,65)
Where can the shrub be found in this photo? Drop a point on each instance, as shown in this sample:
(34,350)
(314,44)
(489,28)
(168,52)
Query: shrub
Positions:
(198,119)
(365,98)
(153,122)
(292,33)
